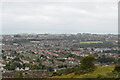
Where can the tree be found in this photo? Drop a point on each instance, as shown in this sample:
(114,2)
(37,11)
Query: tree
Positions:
(50,69)
(86,65)
(19,75)
(16,59)
(115,73)
(104,59)
(17,64)
(117,68)
(26,65)
(4,57)
(10,66)
(34,67)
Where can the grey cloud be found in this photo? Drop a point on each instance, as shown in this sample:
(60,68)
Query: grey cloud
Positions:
(61,17)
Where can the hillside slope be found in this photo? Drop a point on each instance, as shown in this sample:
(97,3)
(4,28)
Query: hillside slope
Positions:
(99,72)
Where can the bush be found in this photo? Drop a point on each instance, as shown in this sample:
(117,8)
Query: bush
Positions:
(117,68)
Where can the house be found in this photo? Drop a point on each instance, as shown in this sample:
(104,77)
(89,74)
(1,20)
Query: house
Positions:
(28,73)
(8,74)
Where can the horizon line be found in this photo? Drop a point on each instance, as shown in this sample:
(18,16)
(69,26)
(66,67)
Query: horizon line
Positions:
(57,33)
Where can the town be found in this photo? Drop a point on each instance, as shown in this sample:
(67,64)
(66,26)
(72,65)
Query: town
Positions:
(29,55)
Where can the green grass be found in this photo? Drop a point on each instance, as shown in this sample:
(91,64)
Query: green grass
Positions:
(100,71)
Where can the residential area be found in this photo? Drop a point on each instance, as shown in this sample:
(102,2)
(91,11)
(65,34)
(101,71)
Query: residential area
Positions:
(40,55)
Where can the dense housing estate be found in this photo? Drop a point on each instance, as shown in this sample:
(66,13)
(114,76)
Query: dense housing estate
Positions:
(33,54)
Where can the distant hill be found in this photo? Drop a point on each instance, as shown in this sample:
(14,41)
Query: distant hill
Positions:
(100,71)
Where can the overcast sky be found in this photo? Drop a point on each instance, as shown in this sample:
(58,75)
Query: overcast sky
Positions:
(59,17)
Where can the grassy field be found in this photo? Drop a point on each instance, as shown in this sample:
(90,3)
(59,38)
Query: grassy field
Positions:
(100,71)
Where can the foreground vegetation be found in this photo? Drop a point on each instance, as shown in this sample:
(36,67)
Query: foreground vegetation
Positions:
(100,72)
(87,69)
